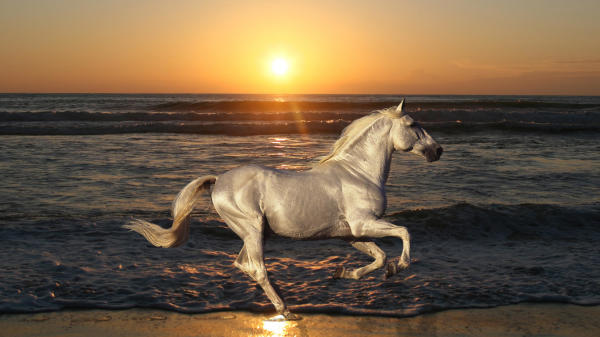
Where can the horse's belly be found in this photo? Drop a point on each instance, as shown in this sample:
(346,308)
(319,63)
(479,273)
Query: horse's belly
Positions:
(306,218)
(309,230)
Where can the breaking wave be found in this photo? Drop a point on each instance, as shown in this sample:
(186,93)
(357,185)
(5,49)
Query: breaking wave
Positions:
(251,114)
(72,123)
(277,106)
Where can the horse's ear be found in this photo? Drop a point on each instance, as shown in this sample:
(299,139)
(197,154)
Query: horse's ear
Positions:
(399,108)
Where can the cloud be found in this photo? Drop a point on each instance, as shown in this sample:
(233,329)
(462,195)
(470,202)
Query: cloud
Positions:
(575,61)
(533,82)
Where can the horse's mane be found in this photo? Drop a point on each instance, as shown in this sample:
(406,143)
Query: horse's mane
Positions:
(352,132)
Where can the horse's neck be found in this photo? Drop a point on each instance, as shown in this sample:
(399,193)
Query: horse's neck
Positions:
(369,156)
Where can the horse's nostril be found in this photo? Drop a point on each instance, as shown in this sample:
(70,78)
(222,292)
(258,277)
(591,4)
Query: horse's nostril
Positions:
(439,151)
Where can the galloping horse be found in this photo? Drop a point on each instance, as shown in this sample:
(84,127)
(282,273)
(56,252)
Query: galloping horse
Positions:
(341,197)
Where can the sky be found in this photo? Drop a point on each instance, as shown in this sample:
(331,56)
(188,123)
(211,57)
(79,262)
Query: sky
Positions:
(346,47)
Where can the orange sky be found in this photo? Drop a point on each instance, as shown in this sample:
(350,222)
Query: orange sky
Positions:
(400,47)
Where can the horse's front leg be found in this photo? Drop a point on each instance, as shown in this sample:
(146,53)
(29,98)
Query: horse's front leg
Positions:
(377,228)
(369,248)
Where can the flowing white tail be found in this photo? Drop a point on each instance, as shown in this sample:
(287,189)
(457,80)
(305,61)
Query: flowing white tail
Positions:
(183,205)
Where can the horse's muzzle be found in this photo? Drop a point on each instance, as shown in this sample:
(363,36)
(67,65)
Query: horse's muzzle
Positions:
(434,153)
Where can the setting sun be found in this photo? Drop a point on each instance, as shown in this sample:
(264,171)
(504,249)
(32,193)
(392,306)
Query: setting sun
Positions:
(279,66)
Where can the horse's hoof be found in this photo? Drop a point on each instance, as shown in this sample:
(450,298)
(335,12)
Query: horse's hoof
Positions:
(286,316)
(276,318)
(338,273)
(291,316)
(390,270)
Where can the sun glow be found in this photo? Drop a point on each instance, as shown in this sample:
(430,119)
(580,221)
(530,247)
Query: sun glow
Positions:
(278,327)
(279,66)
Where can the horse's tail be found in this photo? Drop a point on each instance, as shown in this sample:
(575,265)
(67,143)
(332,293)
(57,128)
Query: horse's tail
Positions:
(183,205)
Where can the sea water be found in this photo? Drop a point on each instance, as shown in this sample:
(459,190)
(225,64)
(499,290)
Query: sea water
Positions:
(510,213)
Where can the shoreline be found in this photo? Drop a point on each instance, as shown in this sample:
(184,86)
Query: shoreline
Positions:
(525,319)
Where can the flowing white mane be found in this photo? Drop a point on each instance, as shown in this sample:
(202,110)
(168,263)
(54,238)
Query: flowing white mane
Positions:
(353,131)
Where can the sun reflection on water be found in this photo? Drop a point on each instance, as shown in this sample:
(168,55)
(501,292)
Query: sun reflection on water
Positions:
(276,328)
(278,141)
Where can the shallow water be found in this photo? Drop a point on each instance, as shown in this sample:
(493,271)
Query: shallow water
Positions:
(506,216)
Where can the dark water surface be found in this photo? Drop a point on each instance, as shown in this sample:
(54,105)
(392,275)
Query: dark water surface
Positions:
(511,213)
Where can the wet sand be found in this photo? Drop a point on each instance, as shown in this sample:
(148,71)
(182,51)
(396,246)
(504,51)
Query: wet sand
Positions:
(514,320)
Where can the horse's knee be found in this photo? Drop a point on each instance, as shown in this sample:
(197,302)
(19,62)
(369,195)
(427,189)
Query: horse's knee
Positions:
(400,230)
(379,260)
(378,254)
(403,233)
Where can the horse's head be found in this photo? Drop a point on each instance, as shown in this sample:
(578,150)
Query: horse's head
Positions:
(409,136)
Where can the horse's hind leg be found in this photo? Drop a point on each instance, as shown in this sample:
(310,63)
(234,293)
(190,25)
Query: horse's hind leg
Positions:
(251,262)
(377,228)
(369,248)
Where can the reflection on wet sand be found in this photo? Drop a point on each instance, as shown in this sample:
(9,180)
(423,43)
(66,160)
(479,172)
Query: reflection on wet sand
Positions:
(278,328)
(516,320)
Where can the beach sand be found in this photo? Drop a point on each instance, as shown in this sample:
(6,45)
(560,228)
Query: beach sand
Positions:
(513,320)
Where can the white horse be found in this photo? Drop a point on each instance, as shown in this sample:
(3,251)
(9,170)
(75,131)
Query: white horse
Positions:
(341,197)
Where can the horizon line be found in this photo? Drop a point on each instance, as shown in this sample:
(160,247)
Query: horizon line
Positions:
(279,94)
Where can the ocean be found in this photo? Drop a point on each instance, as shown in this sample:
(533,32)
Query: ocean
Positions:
(510,213)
